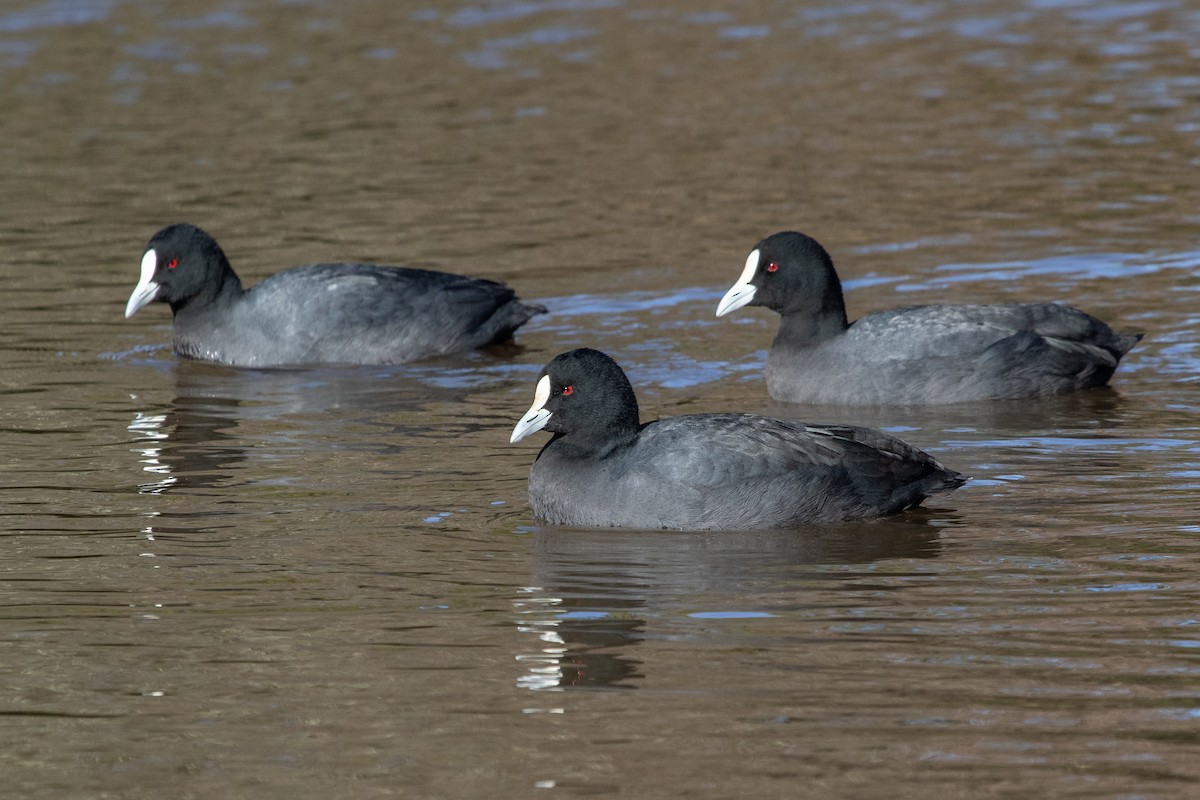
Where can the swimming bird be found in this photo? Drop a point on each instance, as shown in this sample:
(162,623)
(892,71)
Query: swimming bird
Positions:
(323,313)
(915,355)
(604,468)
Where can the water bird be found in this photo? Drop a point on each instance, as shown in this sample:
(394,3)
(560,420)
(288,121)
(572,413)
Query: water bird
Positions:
(347,313)
(604,468)
(916,355)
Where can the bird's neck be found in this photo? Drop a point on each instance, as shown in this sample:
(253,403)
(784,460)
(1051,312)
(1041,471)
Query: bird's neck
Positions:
(600,443)
(799,330)
(217,294)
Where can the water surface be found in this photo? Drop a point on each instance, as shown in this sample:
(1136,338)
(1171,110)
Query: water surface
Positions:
(327,583)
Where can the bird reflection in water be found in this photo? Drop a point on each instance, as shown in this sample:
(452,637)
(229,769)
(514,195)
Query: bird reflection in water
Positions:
(187,443)
(600,594)
(580,647)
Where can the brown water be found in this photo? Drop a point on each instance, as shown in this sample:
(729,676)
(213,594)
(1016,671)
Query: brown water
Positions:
(327,583)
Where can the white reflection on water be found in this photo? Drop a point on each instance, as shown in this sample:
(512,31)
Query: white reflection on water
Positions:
(544,665)
(150,427)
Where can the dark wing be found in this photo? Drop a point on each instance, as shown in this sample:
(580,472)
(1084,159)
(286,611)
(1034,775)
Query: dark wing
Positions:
(931,331)
(823,471)
(417,312)
(1022,348)
(879,460)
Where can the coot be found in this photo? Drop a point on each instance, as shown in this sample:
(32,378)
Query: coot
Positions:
(323,313)
(705,471)
(914,355)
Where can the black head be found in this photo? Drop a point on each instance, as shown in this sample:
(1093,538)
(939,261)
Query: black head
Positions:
(182,264)
(789,273)
(584,398)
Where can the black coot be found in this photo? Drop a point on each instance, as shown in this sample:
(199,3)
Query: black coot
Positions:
(915,355)
(323,313)
(705,471)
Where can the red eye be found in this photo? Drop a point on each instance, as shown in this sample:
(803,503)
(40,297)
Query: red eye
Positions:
(772,267)
(568,391)
(173,263)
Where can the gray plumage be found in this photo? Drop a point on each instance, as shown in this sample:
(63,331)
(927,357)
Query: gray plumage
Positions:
(919,354)
(708,471)
(324,313)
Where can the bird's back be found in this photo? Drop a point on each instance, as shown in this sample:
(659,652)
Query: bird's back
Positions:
(737,471)
(942,354)
(363,313)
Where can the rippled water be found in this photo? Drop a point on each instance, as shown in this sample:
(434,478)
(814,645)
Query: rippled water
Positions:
(327,583)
